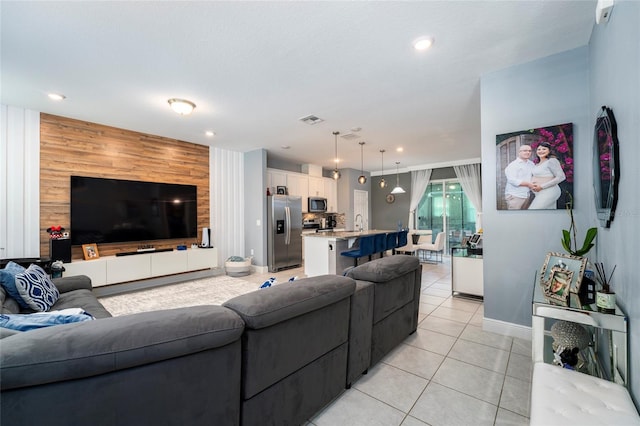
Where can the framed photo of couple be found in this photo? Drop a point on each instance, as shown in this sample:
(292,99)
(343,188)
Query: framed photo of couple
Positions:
(534,168)
(561,274)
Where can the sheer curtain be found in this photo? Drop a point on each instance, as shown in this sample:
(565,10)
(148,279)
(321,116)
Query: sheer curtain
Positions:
(419,182)
(470,180)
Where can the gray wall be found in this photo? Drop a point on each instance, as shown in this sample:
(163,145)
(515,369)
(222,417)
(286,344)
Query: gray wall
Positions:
(385,215)
(255,201)
(346,184)
(567,87)
(615,82)
(548,91)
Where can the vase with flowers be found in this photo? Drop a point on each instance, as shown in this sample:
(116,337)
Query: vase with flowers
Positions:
(605,297)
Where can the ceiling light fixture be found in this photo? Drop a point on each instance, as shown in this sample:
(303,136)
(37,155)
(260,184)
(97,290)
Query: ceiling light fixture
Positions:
(362,179)
(382,182)
(398,189)
(181,106)
(210,133)
(423,43)
(56,96)
(336,173)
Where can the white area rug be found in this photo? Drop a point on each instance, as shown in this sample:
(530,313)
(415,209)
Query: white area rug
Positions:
(206,291)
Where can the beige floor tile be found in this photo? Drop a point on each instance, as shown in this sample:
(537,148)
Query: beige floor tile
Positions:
(431,341)
(520,367)
(414,360)
(392,386)
(432,300)
(516,396)
(412,421)
(461,304)
(507,418)
(442,325)
(355,408)
(436,292)
(471,380)
(477,334)
(426,308)
(477,319)
(452,314)
(440,405)
(521,346)
(488,357)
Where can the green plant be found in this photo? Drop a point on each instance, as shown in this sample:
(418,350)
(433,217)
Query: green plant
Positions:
(571,244)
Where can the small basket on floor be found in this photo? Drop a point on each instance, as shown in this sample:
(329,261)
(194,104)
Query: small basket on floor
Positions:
(237,266)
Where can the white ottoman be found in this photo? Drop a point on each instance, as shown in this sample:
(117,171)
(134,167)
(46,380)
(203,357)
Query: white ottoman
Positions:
(563,397)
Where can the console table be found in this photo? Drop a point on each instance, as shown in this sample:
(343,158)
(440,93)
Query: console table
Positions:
(607,329)
(118,269)
(466,273)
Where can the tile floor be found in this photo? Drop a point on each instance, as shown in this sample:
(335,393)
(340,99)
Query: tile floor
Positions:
(450,372)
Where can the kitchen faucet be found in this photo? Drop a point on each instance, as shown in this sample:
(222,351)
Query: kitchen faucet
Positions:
(356,222)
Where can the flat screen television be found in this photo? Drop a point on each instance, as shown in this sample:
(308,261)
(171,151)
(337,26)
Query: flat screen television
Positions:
(117,211)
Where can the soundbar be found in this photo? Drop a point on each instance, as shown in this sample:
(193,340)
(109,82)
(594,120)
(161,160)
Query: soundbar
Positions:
(130,253)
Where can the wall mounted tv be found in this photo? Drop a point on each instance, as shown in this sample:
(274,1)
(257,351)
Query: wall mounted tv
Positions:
(117,211)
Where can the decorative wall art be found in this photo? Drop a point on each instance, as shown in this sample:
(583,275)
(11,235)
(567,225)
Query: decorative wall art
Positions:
(534,168)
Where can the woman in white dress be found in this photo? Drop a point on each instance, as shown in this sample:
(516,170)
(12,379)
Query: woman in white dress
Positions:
(547,174)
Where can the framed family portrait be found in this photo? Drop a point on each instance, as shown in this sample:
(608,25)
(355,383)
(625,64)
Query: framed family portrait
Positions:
(534,168)
(90,251)
(572,266)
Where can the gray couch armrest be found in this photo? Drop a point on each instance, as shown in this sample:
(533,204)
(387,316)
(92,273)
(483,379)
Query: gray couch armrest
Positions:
(384,269)
(90,348)
(265,307)
(66,284)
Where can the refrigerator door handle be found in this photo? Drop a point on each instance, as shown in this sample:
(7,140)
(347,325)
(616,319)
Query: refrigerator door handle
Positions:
(287,237)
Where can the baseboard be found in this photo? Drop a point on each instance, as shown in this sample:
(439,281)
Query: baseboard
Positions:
(259,269)
(506,328)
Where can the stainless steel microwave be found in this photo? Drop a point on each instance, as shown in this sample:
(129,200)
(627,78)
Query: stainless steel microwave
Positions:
(317,205)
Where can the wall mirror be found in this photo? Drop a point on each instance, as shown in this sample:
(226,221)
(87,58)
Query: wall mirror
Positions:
(606,166)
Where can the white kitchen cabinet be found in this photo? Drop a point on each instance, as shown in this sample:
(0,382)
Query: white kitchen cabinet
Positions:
(316,187)
(331,194)
(298,184)
(276,178)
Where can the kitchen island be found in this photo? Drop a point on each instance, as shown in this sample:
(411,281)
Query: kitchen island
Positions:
(322,250)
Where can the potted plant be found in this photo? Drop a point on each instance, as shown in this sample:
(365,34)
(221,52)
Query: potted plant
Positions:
(606,297)
(569,237)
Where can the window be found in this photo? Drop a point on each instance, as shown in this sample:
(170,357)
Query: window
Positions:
(445,207)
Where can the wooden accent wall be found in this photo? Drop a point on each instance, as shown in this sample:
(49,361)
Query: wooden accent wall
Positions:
(72,147)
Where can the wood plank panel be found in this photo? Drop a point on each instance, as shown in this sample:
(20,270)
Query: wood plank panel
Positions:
(74,147)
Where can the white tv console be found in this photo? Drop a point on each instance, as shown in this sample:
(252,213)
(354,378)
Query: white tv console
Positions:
(119,269)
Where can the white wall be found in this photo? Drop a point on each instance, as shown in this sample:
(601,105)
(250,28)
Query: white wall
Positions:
(19,182)
(548,91)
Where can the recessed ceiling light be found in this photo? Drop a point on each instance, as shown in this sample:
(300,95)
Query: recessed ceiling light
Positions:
(181,106)
(399,149)
(423,43)
(285,147)
(210,133)
(56,96)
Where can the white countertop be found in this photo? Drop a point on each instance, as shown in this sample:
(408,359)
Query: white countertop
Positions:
(344,235)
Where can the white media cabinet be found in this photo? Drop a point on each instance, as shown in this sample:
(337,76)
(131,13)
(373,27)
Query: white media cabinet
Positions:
(119,269)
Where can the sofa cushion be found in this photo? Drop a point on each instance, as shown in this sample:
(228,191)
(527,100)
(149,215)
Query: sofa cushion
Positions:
(384,269)
(36,289)
(265,307)
(84,299)
(8,304)
(8,282)
(26,322)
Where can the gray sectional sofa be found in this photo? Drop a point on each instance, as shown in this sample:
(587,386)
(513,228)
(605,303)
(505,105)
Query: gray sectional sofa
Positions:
(274,356)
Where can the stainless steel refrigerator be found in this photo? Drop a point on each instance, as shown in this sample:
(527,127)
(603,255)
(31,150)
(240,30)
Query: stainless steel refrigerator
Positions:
(284,232)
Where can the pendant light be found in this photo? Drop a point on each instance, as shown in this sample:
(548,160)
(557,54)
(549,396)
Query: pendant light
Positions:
(362,179)
(398,189)
(336,173)
(382,182)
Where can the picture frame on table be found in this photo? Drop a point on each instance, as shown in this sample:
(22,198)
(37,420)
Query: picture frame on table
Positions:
(563,261)
(281,190)
(557,288)
(90,251)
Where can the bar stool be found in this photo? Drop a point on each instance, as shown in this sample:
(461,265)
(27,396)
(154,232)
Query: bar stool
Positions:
(392,241)
(365,248)
(380,243)
(402,238)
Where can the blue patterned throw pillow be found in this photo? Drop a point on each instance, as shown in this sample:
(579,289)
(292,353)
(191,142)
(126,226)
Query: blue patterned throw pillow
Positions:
(8,282)
(36,289)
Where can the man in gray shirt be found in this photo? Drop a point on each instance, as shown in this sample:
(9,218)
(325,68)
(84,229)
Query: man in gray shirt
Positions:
(519,185)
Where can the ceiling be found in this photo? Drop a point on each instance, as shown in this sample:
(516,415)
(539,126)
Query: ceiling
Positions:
(255,68)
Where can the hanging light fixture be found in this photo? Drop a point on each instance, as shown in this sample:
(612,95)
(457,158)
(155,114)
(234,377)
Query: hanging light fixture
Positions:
(398,189)
(382,181)
(362,179)
(336,172)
